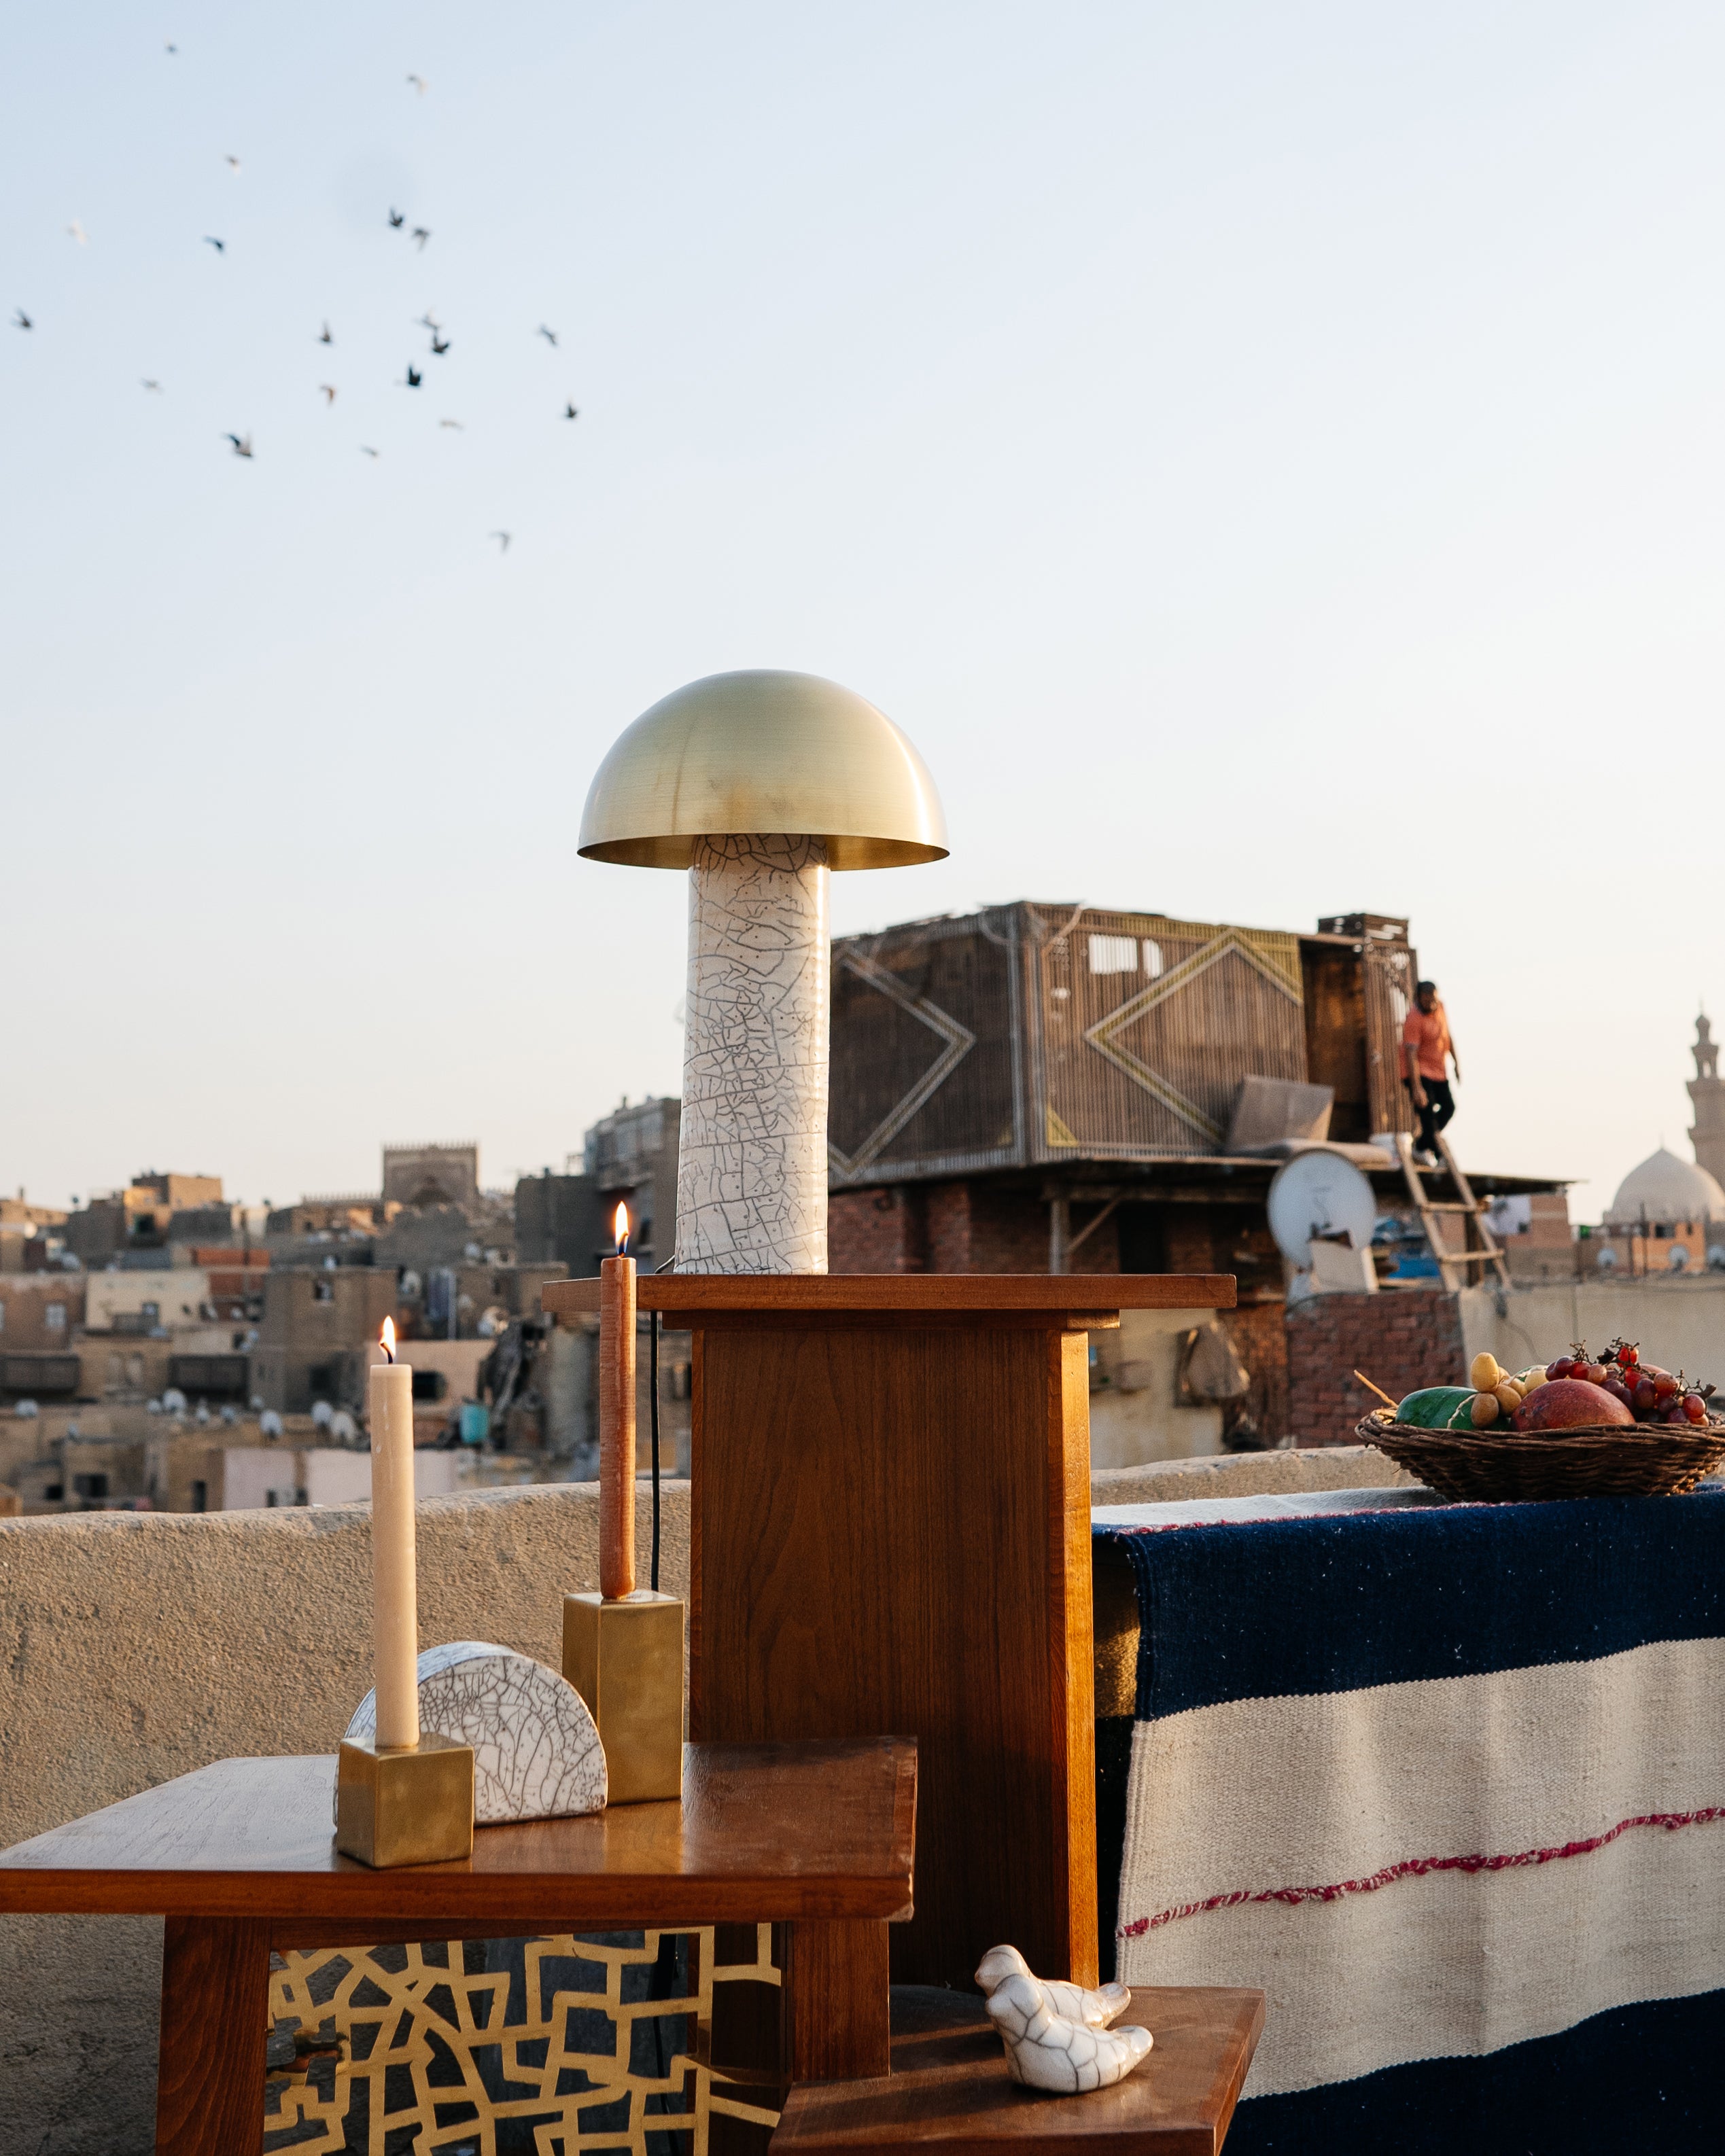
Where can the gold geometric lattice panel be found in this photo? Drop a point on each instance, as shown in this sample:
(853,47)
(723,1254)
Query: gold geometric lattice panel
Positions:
(427,2048)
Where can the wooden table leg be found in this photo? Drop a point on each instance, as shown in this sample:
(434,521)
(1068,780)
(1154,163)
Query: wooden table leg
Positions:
(836,2002)
(215,2004)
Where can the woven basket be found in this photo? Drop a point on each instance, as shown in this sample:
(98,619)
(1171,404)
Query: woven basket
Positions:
(1653,1459)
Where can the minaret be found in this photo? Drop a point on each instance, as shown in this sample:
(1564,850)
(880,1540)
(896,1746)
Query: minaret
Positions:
(1707,1090)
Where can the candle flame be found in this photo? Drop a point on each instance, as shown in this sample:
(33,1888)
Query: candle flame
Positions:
(388,1338)
(620,1228)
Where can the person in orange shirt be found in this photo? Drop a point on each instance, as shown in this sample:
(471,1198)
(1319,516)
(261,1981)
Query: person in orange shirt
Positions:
(1425,1071)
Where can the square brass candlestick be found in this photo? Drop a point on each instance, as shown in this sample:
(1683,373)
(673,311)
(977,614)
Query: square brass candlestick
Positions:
(625,1658)
(405,1804)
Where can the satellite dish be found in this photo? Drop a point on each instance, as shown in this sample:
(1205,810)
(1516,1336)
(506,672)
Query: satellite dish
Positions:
(1677,1260)
(1318,1193)
(1607,1259)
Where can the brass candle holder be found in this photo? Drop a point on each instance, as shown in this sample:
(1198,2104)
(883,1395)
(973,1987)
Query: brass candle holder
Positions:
(625,1658)
(405,1804)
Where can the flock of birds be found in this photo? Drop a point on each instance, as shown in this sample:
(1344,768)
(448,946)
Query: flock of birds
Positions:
(413,376)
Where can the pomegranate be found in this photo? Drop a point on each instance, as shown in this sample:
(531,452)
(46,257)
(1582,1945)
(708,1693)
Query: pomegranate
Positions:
(1570,1404)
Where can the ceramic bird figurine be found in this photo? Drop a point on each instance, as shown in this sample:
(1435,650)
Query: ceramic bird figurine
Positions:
(1057,2034)
(1097,2009)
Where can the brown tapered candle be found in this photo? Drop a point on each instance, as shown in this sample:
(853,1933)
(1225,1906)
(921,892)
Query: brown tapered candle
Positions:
(616,1418)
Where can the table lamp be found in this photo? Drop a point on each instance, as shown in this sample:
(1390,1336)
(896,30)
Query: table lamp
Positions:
(759,784)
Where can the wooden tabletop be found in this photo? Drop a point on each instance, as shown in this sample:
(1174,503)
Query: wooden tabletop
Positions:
(949,2090)
(696,1298)
(765,1833)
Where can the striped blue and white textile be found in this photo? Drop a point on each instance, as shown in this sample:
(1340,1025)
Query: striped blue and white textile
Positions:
(1447,1781)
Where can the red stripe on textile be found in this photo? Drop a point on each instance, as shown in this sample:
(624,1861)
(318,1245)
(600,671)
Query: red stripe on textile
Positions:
(1416,1867)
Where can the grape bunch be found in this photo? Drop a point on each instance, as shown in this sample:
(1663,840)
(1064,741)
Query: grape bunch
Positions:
(1650,1394)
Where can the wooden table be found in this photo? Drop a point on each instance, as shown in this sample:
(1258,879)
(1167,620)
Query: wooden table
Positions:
(949,2090)
(239,1859)
(891,1530)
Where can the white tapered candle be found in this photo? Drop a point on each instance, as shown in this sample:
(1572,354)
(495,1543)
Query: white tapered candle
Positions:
(395,1614)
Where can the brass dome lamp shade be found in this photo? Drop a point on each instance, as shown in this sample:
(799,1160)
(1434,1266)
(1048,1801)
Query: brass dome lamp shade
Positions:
(763,751)
(760,784)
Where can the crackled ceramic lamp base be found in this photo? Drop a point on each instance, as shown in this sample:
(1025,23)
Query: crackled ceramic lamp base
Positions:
(536,1751)
(1057,2034)
(751,1179)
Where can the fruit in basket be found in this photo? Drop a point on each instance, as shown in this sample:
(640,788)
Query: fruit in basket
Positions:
(1438,1407)
(1483,1409)
(1571,1404)
(1485,1373)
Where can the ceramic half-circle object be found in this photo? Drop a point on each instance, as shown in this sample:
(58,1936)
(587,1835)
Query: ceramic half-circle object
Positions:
(536,1751)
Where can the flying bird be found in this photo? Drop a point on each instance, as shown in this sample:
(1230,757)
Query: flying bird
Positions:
(428,320)
(328,392)
(504,536)
(419,83)
(414,377)
(21,321)
(233,161)
(455,423)
(155,386)
(171,48)
(219,245)
(242,443)
(438,345)
(365,452)
(549,335)
(326,338)
(78,232)
(396,220)
(570,413)
(421,234)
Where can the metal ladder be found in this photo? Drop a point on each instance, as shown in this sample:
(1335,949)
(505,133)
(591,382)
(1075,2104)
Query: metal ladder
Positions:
(1452,1264)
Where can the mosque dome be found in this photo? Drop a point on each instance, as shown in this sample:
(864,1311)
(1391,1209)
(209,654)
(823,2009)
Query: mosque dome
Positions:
(1664,1190)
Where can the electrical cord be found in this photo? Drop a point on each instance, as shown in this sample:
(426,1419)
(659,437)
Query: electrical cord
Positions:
(653,1414)
(653,1419)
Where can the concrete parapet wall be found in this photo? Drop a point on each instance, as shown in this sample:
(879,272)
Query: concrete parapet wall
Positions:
(1247,1475)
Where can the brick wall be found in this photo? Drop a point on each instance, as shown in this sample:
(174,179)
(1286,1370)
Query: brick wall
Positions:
(1258,1332)
(1009,1232)
(1401,1338)
(949,1226)
(877,1231)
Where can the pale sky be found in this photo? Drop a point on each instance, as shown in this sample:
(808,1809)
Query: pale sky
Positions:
(1270,459)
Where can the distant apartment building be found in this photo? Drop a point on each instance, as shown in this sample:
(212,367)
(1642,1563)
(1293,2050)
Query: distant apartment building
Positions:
(27,1233)
(629,1155)
(141,1223)
(147,1332)
(40,1314)
(427,1175)
(316,1338)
